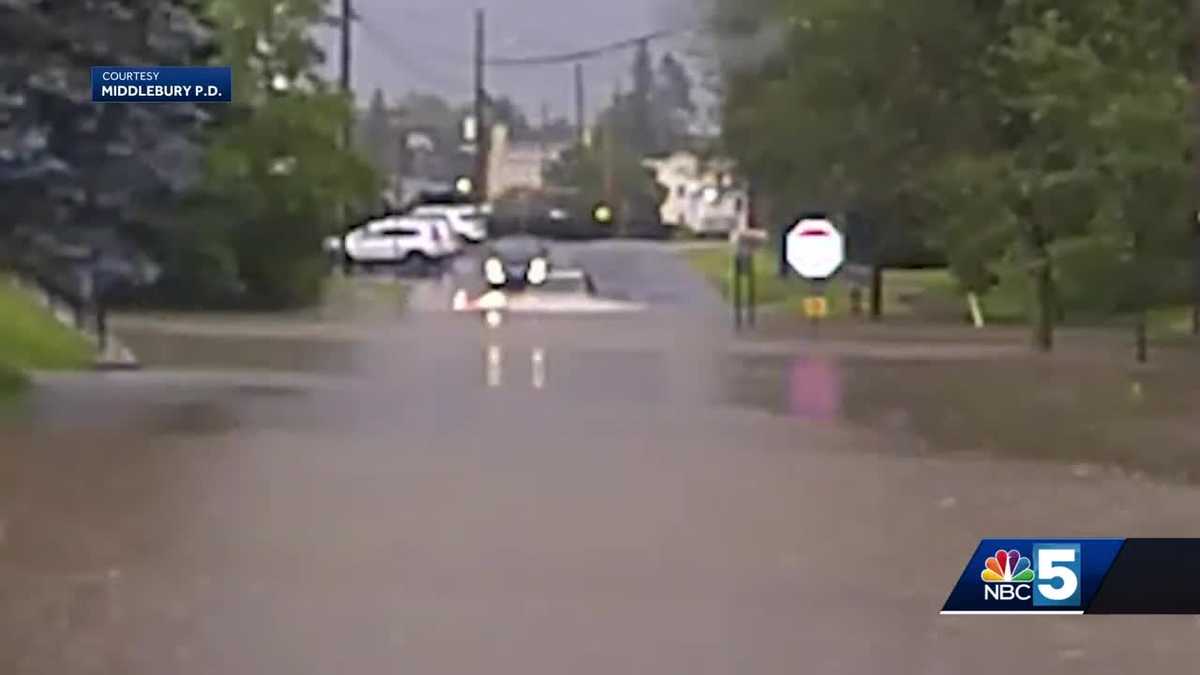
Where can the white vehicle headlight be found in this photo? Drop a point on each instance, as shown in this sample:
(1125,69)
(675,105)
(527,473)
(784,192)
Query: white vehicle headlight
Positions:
(493,270)
(539,270)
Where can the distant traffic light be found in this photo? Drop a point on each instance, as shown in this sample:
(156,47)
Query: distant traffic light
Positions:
(464,185)
(603,214)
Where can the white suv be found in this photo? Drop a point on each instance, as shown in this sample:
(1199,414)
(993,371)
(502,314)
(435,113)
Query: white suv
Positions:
(401,239)
(467,220)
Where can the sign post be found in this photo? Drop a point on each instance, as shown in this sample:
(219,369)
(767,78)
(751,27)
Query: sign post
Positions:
(745,292)
(816,250)
(738,275)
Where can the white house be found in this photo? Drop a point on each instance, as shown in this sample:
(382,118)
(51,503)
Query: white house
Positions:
(703,196)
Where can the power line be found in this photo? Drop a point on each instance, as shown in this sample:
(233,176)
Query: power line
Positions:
(585,54)
(420,69)
(443,50)
(428,15)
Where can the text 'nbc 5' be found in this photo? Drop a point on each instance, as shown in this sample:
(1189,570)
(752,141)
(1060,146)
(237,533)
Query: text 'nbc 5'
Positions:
(1032,576)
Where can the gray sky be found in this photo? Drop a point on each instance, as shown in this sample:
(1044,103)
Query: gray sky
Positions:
(403,45)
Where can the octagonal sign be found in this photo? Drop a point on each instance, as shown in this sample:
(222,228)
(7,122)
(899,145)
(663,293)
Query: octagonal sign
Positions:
(815,249)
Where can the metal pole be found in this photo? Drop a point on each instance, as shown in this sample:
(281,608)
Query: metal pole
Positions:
(737,290)
(102,325)
(343,208)
(875,232)
(876,291)
(580,121)
(1143,342)
(344,79)
(482,129)
(610,130)
(814,290)
(783,245)
(752,291)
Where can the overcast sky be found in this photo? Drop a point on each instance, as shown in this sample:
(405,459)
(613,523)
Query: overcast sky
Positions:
(425,45)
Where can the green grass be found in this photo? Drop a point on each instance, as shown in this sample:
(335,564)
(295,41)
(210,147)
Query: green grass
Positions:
(716,266)
(928,294)
(1170,322)
(32,339)
(11,380)
(906,292)
(344,289)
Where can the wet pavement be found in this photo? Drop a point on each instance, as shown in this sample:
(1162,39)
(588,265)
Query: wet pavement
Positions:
(417,492)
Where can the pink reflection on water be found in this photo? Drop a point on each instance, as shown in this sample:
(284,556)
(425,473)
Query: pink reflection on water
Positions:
(815,389)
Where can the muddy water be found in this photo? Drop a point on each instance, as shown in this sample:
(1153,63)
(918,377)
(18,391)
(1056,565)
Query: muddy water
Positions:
(1142,421)
(553,496)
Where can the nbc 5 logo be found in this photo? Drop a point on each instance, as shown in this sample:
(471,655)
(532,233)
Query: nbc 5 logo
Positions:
(1058,575)
(1050,579)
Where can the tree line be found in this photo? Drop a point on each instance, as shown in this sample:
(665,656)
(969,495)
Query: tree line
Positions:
(230,200)
(1034,140)
(653,117)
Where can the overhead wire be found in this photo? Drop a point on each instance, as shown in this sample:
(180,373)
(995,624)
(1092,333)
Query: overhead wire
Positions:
(422,69)
(589,53)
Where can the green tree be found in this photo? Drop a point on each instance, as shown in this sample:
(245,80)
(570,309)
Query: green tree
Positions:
(66,162)
(642,134)
(634,196)
(277,161)
(375,134)
(1093,135)
(845,106)
(504,110)
(1024,132)
(674,105)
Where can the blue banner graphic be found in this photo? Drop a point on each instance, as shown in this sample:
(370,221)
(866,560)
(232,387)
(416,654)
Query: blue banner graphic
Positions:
(1027,576)
(162,84)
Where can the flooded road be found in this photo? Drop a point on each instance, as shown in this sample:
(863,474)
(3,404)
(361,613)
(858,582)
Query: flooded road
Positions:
(416,492)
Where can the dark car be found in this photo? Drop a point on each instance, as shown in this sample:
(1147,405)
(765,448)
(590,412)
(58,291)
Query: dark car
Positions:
(516,263)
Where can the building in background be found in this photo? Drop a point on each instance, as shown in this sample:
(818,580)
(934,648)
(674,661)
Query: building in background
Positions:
(415,145)
(519,163)
(702,196)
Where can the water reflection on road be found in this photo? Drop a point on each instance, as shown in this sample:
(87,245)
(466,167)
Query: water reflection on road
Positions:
(1142,421)
(560,495)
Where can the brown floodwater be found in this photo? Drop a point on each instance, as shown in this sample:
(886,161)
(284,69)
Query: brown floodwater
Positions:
(586,495)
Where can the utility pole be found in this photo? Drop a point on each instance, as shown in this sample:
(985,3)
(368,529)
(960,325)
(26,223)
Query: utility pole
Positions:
(482,128)
(580,122)
(344,208)
(1195,216)
(610,130)
(344,80)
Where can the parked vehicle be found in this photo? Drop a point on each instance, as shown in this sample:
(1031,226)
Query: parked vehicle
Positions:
(401,240)
(469,220)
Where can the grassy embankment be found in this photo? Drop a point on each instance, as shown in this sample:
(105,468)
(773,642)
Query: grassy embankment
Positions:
(32,339)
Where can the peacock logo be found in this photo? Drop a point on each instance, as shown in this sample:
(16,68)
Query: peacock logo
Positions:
(1008,567)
